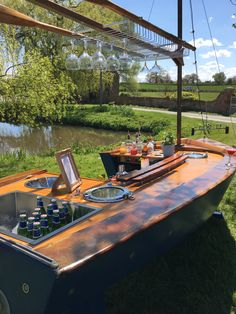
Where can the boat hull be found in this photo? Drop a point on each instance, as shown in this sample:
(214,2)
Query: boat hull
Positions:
(81,289)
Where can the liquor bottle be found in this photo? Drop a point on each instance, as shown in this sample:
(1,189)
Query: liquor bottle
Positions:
(68,211)
(36,230)
(50,214)
(40,205)
(54,203)
(22,228)
(44,224)
(55,220)
(30,227)
(145,149)
(62,216)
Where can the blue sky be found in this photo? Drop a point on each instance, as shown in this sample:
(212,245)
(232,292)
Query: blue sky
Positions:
(220,16)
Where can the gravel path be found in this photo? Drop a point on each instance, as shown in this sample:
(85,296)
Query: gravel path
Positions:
(194,115)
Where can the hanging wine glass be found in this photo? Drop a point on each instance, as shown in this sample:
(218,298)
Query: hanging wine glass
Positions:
(113,63)
(125,60)
(85,60)
(98,60)
(156,68)
(145,70)
(72,61)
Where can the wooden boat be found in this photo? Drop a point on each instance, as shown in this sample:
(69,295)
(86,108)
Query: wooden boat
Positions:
(68,270)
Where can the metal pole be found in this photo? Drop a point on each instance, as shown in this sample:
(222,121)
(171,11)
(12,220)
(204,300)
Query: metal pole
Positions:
(179,74)
(100,88)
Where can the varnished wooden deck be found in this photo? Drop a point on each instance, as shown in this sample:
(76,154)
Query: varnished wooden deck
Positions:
(153,202)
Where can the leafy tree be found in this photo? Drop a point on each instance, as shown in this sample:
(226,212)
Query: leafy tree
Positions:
(34,94)
(191,78)
(158,78)
(129,78)
(219,78)
(231,80)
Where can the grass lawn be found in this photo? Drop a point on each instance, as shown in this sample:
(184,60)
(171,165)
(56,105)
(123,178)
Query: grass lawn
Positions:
(197,277)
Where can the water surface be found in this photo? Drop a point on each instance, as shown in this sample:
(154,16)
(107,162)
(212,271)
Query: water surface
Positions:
(40,139)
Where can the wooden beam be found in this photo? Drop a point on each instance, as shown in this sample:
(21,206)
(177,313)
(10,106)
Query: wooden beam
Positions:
(13,17)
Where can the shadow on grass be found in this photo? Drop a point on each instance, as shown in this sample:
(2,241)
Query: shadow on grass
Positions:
(197,277)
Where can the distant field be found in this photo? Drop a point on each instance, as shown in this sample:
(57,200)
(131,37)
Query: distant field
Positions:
(207,92)
(203,96)
(146,87)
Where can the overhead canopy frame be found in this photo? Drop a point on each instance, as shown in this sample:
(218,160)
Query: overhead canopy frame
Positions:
(145,41)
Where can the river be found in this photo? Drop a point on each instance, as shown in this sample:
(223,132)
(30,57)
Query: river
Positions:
(41,139)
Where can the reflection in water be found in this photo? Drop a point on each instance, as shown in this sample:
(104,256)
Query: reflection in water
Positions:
(40,139)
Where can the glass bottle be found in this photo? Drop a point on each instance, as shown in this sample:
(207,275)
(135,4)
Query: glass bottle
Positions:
(68,211)
(150,146)
(134,150)
(55,220)
(62,216)
(123,149)
(40,205)
(145,149)
(36,215)
(22,227)
(36,230)
(30,227)
(44,224)
(54,203)
(50,214)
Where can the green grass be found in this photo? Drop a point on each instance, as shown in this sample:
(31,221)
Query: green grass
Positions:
(172,87)
(197,277)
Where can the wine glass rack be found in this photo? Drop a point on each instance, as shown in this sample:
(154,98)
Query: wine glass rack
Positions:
(145,41)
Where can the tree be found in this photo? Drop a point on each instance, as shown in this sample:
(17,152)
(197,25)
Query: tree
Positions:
(34,94)
(129,78)
(158,78)
(219,78)
(191,79)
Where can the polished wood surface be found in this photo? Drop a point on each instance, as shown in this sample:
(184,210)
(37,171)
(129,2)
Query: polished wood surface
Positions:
(153,202)
(11,16)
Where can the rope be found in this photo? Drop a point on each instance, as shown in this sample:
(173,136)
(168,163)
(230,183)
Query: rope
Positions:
(204,123)
(209,28)
(150,13)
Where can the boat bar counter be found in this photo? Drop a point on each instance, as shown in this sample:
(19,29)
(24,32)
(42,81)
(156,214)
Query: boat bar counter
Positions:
(116,226)
(65,239)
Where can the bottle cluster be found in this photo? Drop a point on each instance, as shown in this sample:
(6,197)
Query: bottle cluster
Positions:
(138,146)
(43,220)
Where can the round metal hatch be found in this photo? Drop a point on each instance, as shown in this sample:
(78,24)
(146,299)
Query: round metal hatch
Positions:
(41,183)
(196,155)
(108,194)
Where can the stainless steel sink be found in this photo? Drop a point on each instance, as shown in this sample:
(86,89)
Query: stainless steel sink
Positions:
(14,203)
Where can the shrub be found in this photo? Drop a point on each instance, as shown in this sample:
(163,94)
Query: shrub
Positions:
(185,95)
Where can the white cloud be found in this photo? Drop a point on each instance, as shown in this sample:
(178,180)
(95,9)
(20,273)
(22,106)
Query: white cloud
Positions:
(230,72)
(219,53)
(200,42)
(211,18)
(207,70)
(233,16)
(233,46)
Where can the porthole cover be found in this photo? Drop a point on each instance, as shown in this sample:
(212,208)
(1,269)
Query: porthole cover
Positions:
(107,194)
(196,155)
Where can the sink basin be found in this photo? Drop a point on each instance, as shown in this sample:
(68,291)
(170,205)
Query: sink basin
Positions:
(41,183)
(14,203)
